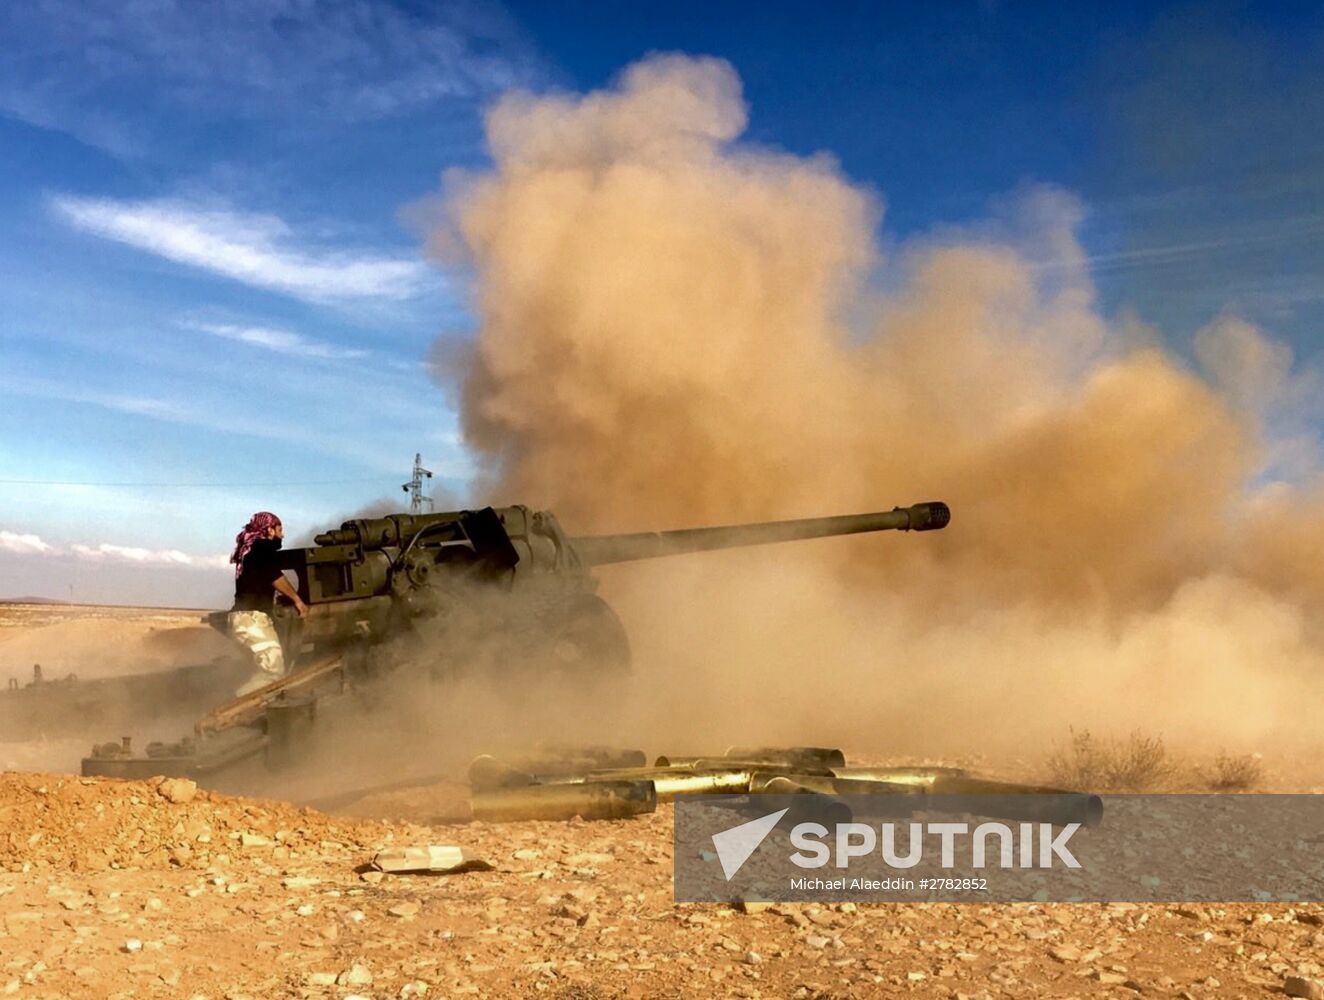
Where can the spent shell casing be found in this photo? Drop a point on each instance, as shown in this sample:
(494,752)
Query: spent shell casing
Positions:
(588,800)
(810,805)
(670,782)
(906,775)
(826,756)
(602,756)
(487,772)
(1028,802)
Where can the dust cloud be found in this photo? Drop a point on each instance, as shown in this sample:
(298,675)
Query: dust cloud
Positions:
(677,329)
(104,672)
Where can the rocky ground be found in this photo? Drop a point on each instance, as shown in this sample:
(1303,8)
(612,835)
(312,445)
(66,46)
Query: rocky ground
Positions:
(153,889)
(156,889)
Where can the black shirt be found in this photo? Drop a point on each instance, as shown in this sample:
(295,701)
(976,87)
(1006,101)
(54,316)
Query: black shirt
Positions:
(254,587)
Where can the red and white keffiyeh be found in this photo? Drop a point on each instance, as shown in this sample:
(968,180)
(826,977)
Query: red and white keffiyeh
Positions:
(256,528)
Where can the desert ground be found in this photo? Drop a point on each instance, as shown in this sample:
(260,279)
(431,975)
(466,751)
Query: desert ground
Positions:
(157,889)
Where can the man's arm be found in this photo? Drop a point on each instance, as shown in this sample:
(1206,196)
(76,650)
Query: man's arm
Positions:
(284,586)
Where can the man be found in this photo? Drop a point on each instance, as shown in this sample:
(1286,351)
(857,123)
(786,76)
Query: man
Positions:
(257,580)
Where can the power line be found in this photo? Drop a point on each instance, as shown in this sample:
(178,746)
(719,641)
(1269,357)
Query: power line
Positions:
(160,485)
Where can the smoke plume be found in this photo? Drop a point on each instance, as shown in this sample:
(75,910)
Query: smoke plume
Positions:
(677,330)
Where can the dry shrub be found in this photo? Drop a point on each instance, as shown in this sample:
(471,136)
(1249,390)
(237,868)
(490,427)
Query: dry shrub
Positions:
(1235,774)
(1137,763)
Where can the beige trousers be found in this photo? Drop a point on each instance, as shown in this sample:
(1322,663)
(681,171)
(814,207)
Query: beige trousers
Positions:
(256,630)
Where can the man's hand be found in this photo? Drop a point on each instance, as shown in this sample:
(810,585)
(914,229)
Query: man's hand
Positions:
(283,586)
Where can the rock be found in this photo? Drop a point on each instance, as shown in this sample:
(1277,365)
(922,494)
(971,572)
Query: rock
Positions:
(1065,953)
(320,979)
(17,923)
(406,911)
(588,858)
(576,913)
(178,790)
(428,858)
(1299,986)
(253,840)
(754,905)
(356,975)
(817,941)
(753,958)
(132,946)
(1108,978)
(372,878)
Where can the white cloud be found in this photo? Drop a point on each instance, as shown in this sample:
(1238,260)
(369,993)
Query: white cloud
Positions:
(33,545)
(11,541)
(254,249)
(147,557)
(280,341)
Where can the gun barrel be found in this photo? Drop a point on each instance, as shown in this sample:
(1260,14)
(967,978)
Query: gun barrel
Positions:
(598,550)
(392,530)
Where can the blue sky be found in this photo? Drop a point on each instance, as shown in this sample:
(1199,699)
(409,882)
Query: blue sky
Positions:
(208,283)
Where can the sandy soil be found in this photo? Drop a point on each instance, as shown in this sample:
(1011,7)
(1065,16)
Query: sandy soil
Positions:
(114,889)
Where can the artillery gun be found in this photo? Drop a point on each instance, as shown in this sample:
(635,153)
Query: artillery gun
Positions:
(496,588)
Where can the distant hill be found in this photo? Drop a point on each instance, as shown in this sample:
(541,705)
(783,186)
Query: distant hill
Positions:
(32,600)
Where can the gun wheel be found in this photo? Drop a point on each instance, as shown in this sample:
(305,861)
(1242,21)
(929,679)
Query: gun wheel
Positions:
(591,641)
